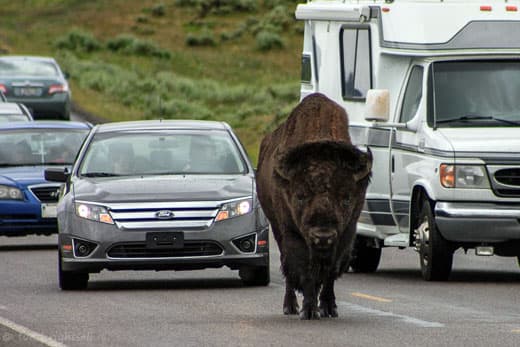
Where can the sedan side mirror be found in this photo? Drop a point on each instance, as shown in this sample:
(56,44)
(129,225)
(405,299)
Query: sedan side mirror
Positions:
(57,174)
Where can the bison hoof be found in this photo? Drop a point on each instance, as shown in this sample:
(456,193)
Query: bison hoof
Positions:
(328,311)
(309,314)
(291,309)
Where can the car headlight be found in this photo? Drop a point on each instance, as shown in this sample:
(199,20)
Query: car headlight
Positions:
(464,176)
(234,209)
(93,212)
(10,193)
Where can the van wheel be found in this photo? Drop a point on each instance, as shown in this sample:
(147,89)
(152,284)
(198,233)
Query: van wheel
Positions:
(365,259)
(435,253)
(68,280)
(255,276)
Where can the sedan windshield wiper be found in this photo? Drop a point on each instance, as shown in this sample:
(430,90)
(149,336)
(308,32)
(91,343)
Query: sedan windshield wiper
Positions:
(100,174)
(470,117)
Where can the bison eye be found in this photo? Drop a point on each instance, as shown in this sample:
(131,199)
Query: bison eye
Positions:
(345,202)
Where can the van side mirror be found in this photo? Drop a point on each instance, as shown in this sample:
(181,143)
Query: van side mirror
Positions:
(377,105)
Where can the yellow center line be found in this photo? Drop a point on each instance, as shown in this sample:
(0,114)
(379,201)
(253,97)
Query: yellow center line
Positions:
(370,297)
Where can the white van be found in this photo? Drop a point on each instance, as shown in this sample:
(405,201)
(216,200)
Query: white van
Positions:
(433,88)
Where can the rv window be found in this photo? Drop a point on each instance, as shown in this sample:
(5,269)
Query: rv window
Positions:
(306,68)
(356,67)
(413,94)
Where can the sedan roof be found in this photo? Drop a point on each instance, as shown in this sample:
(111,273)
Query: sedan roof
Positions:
(45,124)
(27,57)
(161,124)
(10,108)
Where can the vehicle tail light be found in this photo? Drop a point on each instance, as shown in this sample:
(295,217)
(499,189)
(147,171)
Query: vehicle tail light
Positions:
(3,88)
(486,8)
(58,88)
(511,8)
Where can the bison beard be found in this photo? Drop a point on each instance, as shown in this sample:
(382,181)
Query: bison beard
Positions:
(311,183)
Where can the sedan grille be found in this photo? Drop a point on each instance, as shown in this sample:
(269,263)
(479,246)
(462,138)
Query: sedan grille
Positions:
(190,249)
(46,193)
(192,215)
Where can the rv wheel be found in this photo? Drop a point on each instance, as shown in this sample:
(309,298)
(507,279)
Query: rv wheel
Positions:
(435,253)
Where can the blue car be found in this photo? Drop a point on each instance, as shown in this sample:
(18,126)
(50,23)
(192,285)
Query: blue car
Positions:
(27,200)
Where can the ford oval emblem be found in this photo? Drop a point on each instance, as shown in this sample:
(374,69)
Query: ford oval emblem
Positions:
(164,214)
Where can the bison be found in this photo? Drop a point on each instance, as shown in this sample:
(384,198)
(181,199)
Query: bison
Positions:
(311,183)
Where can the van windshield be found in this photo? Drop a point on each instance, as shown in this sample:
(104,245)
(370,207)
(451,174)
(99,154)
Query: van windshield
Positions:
(474,94)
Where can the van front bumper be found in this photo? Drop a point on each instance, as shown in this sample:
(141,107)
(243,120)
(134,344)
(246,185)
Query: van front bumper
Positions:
(478,222)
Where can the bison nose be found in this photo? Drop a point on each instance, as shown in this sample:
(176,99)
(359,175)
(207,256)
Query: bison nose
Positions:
(323,238)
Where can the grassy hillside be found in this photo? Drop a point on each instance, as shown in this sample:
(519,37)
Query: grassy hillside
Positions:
(231,60)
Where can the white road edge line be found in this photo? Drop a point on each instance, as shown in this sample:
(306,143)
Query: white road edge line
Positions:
(407,319)
(48,341)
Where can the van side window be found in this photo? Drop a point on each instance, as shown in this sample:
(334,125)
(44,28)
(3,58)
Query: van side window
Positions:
(356,67)
(413,94)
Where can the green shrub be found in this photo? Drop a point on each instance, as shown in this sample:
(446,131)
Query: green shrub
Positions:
(121,42)
(268,40)
(141,19)
(129,44)
(280,17)
(204,38)
(158,10)
(79,41)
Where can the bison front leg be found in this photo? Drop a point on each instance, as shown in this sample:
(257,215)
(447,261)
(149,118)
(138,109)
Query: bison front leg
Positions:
(310,301)
(328,307)
(290,303)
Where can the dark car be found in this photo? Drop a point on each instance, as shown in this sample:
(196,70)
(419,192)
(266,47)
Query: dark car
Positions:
(38,83)
(27,200)
(14,112)
(160,195)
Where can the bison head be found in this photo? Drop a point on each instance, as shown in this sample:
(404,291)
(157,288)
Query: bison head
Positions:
(324,185)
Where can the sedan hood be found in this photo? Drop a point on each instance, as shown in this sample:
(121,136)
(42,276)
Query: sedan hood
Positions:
(490,140)
(163,188)
(22,176)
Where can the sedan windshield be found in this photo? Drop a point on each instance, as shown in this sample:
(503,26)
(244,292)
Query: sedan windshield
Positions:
(162,153)
(23,147)
(27,68)
(475,94)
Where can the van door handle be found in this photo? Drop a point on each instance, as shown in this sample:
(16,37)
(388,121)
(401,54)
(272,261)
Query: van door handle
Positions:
(393,164)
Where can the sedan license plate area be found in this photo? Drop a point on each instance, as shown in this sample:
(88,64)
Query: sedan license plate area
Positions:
(49,211)
(28,91)
(171,240)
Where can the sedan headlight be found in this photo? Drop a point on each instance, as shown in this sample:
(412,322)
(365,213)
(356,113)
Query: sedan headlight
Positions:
(234,209)
(93,212)
(10,193)
(464,176)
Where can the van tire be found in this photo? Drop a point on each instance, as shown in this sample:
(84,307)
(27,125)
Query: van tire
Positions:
(435,253)
(365,259)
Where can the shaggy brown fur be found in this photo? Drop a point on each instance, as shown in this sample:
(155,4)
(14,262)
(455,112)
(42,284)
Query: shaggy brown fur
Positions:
(311,182)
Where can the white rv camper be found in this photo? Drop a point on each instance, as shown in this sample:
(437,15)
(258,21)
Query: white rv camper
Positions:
(433,89)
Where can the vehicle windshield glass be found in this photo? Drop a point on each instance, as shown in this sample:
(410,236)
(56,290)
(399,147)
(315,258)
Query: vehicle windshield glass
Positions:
(475,94)
(24,147)
(27,68)
(162,153)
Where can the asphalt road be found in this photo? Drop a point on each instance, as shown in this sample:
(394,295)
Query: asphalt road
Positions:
(392,307)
